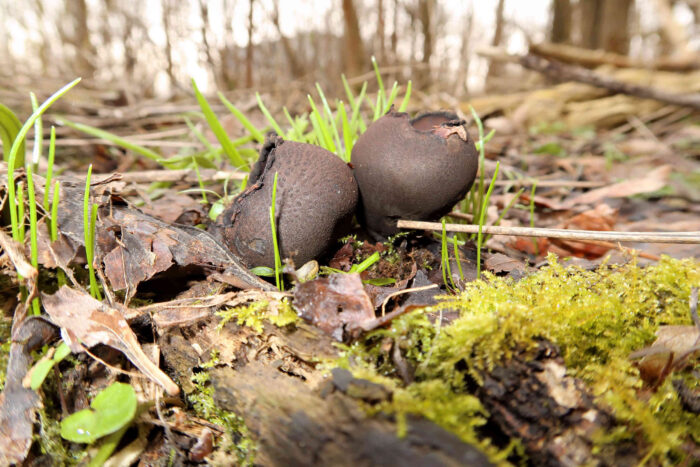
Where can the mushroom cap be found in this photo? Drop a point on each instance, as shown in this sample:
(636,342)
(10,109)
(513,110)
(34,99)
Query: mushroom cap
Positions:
(315,201)
(412,169)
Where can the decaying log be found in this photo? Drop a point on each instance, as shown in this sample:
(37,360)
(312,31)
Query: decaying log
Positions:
(298,416)
(561,71)
(532,398)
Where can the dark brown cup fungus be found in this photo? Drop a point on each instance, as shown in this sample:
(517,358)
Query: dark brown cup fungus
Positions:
(412,169)
(315,201)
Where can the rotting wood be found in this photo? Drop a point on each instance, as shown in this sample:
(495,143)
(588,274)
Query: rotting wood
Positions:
(298,417)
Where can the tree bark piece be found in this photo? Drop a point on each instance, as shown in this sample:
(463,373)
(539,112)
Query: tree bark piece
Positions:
(564,72)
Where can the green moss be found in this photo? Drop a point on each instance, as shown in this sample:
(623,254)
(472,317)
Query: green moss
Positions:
(236,439)
(5,329)
(596,318)
(253,315)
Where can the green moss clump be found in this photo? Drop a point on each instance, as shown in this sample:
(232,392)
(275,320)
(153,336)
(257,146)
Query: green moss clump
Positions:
(596,318)
(236,439)
(5,331)
(253,315)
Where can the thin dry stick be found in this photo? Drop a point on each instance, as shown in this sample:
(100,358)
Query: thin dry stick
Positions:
(185,175)
(619,247)
(642,237)
(550,183)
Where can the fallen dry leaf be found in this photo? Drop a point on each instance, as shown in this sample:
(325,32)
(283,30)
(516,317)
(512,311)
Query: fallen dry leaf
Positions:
(600,218)
(501,263)
(673,347)
(87,322)
(337,304)
(654,180)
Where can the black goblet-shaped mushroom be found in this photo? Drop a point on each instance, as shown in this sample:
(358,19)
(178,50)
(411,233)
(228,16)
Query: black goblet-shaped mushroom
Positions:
(315,200)
(412,169)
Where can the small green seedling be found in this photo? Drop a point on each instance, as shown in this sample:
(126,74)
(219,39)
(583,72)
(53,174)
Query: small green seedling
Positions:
(41,369)
(112,409)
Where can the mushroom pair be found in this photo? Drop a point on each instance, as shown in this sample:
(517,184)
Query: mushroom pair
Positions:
(401,168)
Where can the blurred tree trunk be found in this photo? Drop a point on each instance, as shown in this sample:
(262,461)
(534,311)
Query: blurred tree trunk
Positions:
(76,32)
(249,49)
(227,60)
(426,9)
(167,11)
(462,84)
(605,24)
(674,40)
(616,25)
(381,53)
(496,67)
(394,33)
(211,63)
(295,66)
(354,48)
(560,30)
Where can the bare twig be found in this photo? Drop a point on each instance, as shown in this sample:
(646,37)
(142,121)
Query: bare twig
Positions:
(184,175)
(641,237)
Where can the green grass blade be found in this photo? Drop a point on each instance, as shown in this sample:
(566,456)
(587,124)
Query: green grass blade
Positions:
(114,139)
(19,143)
(482,219)
(505,211)
(378,107)
(480,144)
(406,97)
(268,115)
(257,135)
(356,121)
(54,211)
(20,211)
(329,115)
(325,134)
(34,252)
(381,94)
(198,134)
(229,149)
(392,96)
(445,255)
(366,264)
(9,128)
(38,132)
(49,170)
(348,136)
(348,91)
(275,245)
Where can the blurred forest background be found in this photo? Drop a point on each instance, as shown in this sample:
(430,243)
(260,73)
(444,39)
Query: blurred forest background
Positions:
(153,48)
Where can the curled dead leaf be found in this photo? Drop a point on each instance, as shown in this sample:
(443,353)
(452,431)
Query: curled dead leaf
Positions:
(87,322)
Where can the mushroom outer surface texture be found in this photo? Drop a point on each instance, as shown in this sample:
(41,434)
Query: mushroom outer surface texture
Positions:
(412,169)
(315,201)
